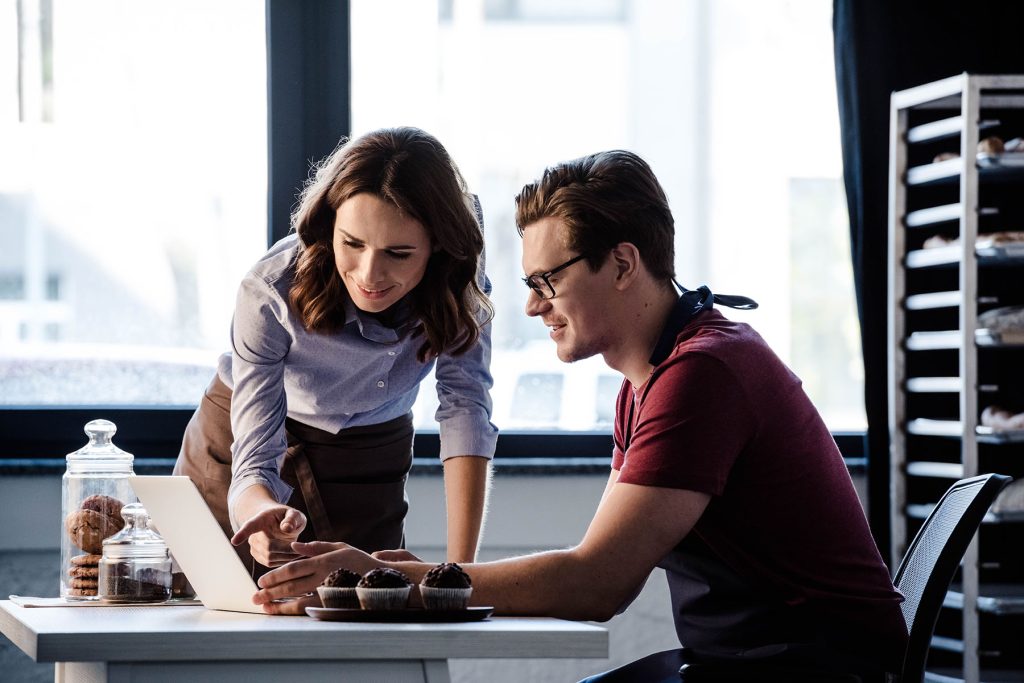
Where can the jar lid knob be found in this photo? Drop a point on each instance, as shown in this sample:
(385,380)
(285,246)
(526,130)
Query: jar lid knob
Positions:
(135,516)
(100,432)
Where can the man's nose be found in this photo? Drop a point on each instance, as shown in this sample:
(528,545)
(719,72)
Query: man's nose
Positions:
(535,305)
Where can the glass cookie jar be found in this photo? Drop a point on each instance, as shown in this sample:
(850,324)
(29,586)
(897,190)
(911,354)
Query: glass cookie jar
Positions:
(93,490)
(136,565)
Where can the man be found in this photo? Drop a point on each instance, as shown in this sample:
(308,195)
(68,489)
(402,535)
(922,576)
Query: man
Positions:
(723,473)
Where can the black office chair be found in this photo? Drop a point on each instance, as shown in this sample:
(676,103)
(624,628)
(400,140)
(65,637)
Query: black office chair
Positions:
(932,559)
(923,577)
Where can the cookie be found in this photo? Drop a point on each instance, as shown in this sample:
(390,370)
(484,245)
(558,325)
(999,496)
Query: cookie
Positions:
(991,145)
(111,507)
(85,583)
(81,592)
(86,560)
(88,528)
(84,572)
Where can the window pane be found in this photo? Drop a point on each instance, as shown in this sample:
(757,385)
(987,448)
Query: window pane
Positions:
(132,194)
(732,102)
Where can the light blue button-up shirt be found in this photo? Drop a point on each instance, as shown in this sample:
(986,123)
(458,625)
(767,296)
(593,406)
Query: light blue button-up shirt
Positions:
(364,374)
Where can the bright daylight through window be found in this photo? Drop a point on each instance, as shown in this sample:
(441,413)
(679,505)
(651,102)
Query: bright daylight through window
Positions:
(733,104)
(133,176)
(132,194)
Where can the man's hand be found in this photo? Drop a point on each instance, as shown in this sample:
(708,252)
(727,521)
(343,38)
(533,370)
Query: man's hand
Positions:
(301,577)
(398,555)
(295,607)
(271,532)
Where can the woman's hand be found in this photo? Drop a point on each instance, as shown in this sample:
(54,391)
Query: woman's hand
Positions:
(301,577)
(271,532)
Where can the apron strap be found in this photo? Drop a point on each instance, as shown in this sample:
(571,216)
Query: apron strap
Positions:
(322,526)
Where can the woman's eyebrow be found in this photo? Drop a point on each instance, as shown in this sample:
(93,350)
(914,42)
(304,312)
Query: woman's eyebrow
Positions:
(393,247)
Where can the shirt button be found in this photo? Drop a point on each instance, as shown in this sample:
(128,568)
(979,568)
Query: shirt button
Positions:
(380,383)
(391,353)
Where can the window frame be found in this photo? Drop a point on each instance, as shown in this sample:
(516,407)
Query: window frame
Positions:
(308,103)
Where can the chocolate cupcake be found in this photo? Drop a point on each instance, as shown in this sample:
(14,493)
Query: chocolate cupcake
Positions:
(446,587)
(383,588)
(339,589)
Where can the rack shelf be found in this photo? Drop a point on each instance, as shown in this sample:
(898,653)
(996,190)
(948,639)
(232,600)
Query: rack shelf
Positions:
(933,385)
(943,128)
(996,598)
(938,374)
(1007,255)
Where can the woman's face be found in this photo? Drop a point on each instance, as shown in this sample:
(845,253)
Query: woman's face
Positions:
(381,253)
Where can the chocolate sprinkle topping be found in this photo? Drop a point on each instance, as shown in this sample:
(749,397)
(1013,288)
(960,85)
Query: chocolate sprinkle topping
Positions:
(384,577)
(341,578)
(447,575)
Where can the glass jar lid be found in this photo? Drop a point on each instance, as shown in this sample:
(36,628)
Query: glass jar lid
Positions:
(136,540)
(100,454)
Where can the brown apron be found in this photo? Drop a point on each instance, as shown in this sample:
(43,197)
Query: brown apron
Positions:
(350,485)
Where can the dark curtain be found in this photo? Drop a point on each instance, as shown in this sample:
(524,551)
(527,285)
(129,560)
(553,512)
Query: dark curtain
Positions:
(882,46)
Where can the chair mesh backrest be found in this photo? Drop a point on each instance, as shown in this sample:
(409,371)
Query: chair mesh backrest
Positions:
(931,561)
(921,558)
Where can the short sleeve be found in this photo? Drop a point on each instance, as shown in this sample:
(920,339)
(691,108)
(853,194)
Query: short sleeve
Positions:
(692,424)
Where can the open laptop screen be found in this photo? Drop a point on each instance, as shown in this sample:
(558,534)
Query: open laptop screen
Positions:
(197,542)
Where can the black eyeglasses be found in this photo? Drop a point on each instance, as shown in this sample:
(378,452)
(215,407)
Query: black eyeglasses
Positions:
(541,285)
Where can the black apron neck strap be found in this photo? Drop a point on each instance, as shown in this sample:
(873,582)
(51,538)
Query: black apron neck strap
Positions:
(691,303)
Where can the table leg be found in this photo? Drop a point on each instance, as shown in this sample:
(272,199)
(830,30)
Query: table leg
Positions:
(436,671)
(80,672)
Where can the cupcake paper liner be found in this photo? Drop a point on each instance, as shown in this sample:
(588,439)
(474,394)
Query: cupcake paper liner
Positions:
(345,598)
(445,598)
(383,598)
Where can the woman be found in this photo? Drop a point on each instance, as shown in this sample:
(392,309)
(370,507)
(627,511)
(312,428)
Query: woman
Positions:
(306,431)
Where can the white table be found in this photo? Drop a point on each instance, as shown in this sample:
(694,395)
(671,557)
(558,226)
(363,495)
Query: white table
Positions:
(165,644)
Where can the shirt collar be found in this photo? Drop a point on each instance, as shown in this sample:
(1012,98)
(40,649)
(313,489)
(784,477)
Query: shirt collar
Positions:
(373,330)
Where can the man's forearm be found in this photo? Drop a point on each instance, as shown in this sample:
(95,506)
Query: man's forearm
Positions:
(556,583)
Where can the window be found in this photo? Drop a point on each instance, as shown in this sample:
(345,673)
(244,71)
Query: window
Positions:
(732,102)
(133,180)
(132,194)
(537,400)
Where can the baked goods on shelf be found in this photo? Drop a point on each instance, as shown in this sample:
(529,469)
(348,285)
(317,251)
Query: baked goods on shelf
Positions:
(1005,324)
(1001,420)
(991,145)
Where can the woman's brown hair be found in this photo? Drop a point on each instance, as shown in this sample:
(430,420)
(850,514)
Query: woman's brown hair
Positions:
(411,170)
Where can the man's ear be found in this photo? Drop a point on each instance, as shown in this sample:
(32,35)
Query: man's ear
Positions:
(626,259)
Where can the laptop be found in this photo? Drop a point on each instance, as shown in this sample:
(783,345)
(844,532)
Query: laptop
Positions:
(197,542)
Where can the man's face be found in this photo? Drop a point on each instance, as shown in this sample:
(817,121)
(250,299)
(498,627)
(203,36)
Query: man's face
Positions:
(575,315)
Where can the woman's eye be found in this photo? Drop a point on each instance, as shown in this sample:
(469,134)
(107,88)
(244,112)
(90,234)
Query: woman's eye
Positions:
(350,244)
(400,255)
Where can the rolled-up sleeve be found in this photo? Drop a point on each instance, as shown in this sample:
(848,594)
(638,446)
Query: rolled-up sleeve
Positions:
(259,343)
(463,390)
(464,386)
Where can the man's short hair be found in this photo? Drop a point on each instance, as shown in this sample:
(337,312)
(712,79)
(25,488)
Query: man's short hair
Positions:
(605,199)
